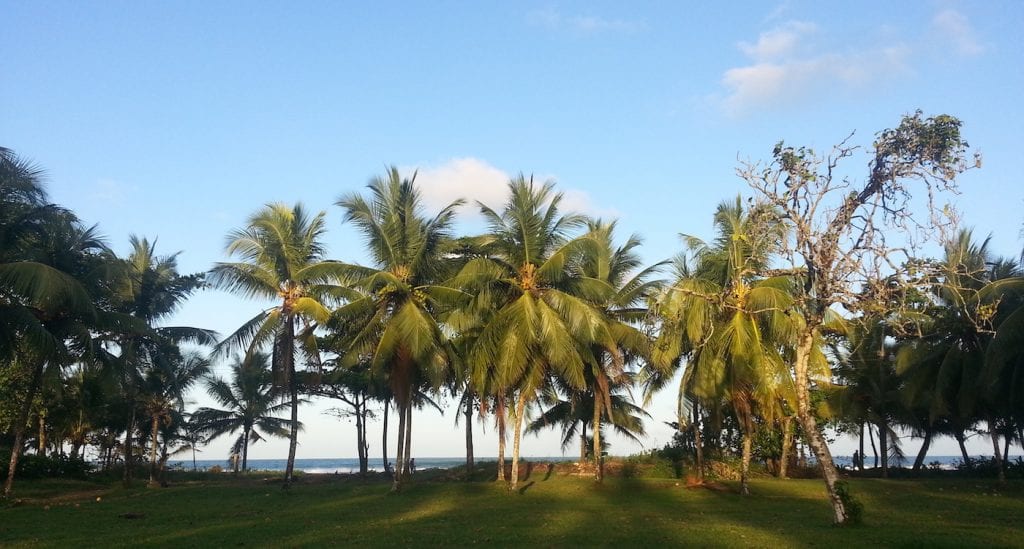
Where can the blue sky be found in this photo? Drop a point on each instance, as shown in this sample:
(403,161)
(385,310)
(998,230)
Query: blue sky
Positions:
(177,120)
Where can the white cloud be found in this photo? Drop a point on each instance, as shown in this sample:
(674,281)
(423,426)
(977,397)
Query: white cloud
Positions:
(777,42)
(786,69)
(954,28)
(466,178)
(551,19)
(475,180)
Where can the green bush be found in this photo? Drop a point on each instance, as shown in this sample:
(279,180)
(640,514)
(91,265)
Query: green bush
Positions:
(35,466)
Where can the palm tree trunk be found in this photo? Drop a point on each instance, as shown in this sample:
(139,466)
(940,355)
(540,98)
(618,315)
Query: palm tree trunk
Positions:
(883,446)
(996,454)
(874,449)
(745,466)
(364,448)
(19,427)
(384,437)
(499,414)
(583,444)
(860,443)
(517,435)
(396,485)
(407,466)
(293,437)
(812,433)
(787,442)
(154,432)
(598,456)
(129,450)
(469,435)
(698,442)
(42,433)
(923,452)
(958,434)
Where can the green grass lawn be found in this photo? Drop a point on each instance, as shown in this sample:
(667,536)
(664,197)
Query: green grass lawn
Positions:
(553,511)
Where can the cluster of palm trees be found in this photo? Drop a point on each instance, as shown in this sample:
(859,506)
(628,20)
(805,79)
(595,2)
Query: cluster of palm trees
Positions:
(547,314)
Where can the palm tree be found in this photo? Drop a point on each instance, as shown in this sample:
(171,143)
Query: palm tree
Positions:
(574,415)
(280,256)
(251,403)
(621,269)
(147,289)
(543,323)
(945,365)
(45,302)
(165,386)
(731,322)
(397,312)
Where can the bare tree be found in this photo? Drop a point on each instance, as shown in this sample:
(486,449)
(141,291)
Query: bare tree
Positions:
(838,247)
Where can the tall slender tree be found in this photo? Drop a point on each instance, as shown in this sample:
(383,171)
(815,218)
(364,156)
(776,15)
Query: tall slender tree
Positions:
(397,312)
(280,256)
(544,322)
(251,404)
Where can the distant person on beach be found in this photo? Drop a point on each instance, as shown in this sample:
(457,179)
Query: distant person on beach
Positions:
(412,464)
(856,459)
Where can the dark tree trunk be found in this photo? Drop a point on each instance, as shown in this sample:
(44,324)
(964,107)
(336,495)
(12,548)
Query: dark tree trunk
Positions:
(583,444)
(923,453)
(22,422)
(883,447)
(245,449)
(996,454)
(384,437)
(958,434)
(874,449)
(469,435)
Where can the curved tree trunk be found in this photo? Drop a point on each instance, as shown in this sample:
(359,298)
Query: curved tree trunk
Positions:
(874,449)
(809,424)
(19,429)
(516,436)
(958,434)
(923,453)
(293,437)
(598,455)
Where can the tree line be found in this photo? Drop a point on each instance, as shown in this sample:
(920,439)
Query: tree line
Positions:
(811,306)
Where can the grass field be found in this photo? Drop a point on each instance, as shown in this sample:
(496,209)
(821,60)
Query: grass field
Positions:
(553,511)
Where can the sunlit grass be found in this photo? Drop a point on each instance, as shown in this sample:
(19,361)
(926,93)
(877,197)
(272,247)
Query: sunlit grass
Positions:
(558,511)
